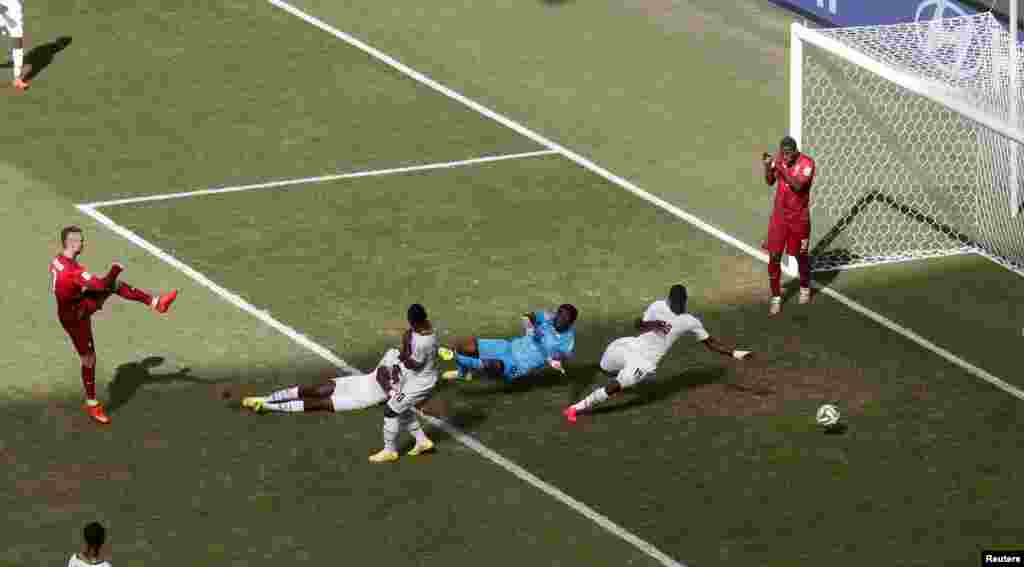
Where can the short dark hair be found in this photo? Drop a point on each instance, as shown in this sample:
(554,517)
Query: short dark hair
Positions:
(417,313)
(571,309)
(64,232)
(95,535)
(788,143)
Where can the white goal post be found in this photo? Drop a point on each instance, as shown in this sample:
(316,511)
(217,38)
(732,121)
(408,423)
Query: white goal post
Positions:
(916,132)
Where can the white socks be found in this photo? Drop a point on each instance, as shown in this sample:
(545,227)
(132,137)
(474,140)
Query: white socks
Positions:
(293,406)
(412,425)
(18,56)
(391,434)
(598,396)
(284,395)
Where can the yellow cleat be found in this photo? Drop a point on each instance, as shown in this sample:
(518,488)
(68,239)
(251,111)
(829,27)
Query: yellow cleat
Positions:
(446,354)
(384,456)
(454,375)
(254,403)
(421,448)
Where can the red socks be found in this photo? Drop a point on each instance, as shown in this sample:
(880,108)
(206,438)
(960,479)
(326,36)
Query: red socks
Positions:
(803,261)
(775,277)
(130,293)
(89,381)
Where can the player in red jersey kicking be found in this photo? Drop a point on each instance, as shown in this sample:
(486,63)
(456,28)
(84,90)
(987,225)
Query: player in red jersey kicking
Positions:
(80,294)
(789,229)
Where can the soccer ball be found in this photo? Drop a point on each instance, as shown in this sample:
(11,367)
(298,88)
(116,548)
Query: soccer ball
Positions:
(828,415)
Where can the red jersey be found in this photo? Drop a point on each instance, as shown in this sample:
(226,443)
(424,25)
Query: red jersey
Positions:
(68,282)
(790,205)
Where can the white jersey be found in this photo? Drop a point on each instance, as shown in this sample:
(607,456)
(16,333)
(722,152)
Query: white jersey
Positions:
(423,351)
(654,345)
(77,561)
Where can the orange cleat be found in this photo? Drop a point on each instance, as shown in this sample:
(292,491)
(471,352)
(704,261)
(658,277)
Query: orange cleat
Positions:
(165,301)
(20,84)
(96,412)
(570,414)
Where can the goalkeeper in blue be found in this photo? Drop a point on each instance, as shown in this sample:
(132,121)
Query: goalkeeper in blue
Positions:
(548,340)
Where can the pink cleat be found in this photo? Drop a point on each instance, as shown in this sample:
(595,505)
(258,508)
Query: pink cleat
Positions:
(570,414)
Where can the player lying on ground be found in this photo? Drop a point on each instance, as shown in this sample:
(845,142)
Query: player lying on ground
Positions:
(632,359)
(344,393)
(80,294)
(413,381)
(548,339)
(13,19)
(789,229)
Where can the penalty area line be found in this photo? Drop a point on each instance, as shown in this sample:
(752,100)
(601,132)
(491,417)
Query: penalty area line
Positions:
(319,179)
(325,353)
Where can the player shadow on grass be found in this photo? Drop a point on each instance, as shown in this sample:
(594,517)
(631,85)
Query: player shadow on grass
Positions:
(660,389)
(41,56)
(131,376)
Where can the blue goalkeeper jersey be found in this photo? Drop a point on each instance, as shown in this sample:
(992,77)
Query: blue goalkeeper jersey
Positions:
(553,344)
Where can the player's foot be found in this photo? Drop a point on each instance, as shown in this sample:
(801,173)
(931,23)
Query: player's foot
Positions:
(570,414)
(165,301)
(776,306)
(421,448)
(20,84)
(97,414)
(457,375)
(446,354)
(384,456)
(254,403)
(805,295)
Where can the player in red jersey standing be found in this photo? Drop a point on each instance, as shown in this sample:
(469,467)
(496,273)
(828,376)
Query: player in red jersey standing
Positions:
(80,294)
(789,229)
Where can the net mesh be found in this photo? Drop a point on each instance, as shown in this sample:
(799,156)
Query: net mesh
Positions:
(902,176)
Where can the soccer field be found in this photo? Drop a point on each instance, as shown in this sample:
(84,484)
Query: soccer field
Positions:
(301,192)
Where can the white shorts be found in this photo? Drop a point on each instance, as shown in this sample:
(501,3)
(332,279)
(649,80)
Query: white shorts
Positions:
(362,390)
(623,358)
(410,395)
(12,17)
(357,392)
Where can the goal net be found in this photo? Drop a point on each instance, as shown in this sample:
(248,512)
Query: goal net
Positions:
(917,139)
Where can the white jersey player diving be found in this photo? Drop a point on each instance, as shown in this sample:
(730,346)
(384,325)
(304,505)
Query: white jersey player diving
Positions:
(631,360)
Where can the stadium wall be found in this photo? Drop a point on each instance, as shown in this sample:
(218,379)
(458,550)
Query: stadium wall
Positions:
(875,12)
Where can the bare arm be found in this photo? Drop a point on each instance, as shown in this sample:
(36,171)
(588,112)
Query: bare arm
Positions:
(712,344)
(769,169)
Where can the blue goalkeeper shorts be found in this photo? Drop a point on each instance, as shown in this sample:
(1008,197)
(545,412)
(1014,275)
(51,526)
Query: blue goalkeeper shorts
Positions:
(501,349)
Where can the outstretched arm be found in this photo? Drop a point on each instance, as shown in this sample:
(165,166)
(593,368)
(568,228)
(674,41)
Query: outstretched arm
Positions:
(712,344)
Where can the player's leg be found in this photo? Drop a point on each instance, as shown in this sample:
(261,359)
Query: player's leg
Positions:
(613,361)
(14,21)
(798,244)
(290,399)
(80,331)
(466,346)
(632,369)
(775,245)
(391,427)
(409,422)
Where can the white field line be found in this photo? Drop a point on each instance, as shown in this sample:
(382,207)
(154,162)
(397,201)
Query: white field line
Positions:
(232,298)
(629,186)
(319,179)
(326,354)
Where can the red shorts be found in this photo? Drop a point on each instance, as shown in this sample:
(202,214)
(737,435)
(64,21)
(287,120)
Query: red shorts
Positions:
(77,321)
(793,238)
